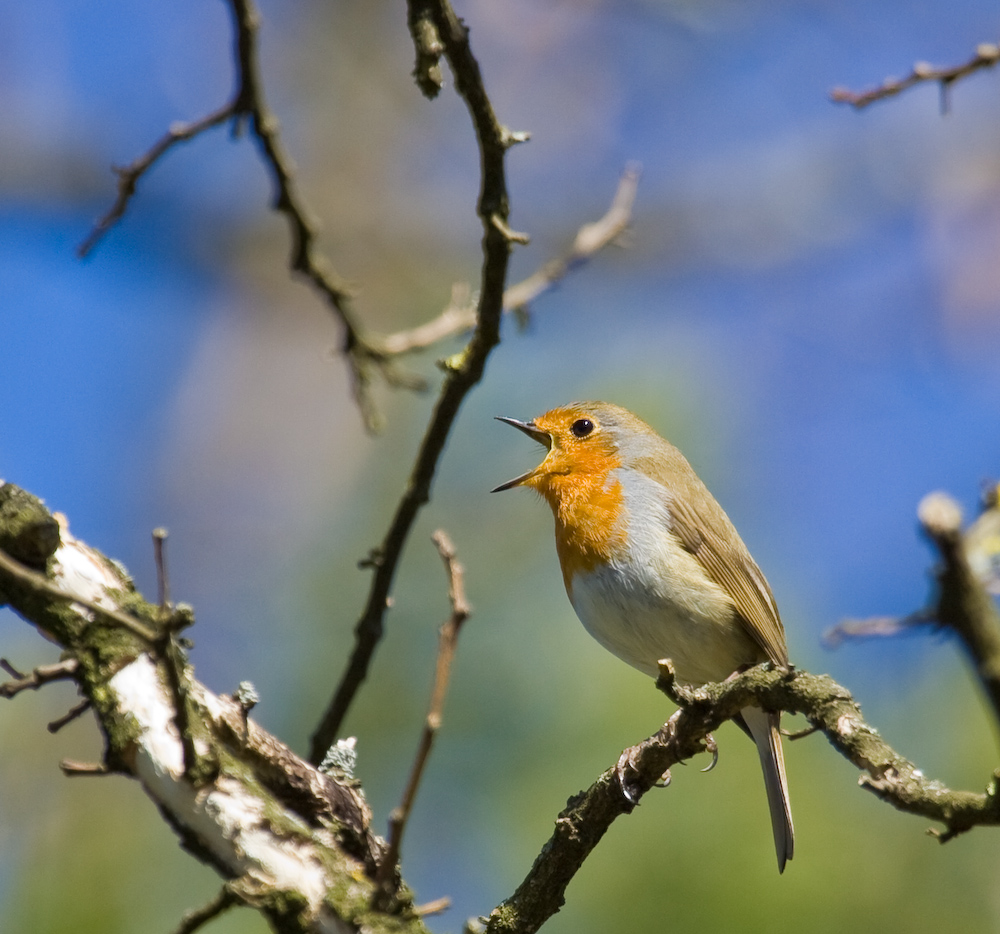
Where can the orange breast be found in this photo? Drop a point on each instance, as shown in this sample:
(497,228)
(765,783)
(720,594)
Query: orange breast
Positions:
(589,509)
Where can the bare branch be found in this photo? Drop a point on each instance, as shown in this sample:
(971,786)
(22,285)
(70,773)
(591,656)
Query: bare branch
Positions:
(962,603)
(460,315)
(70,768)
(875,627)
(987,55)
(248,103)
(72,714)
(43,674)
(41,584)
(460,610)
(129,175)
(199,917)
(828,707)
(464,373)
(435,907)
(296,844)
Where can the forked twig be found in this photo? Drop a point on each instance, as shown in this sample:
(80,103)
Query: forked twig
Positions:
(460,315)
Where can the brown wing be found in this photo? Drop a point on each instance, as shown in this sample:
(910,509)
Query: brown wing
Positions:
(729,564)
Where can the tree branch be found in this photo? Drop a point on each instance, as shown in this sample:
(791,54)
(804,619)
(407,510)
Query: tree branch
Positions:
(987,55)
(828,707)
(464,370)
(448,643)
(962,603)
(292,842)
(460,315)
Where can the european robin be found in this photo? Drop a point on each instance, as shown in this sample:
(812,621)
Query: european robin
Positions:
(653,566)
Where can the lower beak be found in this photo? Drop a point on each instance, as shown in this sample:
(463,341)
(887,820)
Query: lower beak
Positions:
(533,432)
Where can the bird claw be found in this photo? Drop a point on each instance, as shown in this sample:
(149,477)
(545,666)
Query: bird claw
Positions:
(663,781)
(713,747)
(630,790)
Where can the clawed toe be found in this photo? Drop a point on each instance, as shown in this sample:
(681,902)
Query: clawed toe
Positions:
(713,747)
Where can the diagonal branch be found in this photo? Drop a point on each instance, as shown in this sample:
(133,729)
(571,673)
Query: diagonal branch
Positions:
(448,643)
(292,842)
(248,104)
(987,55)
(129,175)
(828,707)
(464,370)
(460,315)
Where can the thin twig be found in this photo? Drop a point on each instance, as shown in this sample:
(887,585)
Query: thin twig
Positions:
(875,627)
(462,376)
(435,907)
(987,55)
(460,610)
(160,559)
(43,674)
(305,257)
(460,315)
(199,917)
(71,767)
(248,104)
(129,175)
(40,583)
(72,714)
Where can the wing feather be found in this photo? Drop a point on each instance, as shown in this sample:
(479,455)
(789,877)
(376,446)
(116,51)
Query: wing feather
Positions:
(729,564)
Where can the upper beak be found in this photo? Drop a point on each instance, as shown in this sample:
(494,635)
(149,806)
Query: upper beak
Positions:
(530,429)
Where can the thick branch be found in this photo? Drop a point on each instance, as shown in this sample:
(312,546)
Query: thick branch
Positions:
(829,708)
(962,603)
(292,842)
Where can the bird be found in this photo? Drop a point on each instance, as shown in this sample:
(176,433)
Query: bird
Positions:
(655,569)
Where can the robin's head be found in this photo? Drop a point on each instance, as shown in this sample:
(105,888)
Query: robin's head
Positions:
(585,440)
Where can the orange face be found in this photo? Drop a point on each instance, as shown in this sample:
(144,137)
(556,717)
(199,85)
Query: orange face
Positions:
(576,480)
(580,452)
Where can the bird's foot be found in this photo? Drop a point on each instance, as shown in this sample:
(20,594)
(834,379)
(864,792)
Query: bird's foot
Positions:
(713,747)
(626,773)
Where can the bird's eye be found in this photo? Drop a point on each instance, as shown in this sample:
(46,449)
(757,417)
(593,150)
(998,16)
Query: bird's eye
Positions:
(582,427)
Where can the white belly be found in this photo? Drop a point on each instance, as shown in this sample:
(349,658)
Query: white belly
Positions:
(659,603)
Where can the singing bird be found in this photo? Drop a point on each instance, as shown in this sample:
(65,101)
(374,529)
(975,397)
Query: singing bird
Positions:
(653,566)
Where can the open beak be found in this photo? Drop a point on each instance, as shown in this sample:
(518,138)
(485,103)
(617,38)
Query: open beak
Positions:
(529,428)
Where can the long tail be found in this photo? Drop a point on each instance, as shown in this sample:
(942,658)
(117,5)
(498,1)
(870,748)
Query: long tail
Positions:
(764,729)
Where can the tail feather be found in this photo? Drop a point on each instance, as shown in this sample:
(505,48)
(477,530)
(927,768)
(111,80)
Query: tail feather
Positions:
(763,728)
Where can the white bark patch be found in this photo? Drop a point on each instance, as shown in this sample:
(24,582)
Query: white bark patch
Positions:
(225,817)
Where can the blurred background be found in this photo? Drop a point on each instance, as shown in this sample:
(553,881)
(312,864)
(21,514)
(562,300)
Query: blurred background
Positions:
(809,306)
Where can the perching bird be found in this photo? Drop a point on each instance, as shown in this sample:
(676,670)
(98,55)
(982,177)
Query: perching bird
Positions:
(653,566)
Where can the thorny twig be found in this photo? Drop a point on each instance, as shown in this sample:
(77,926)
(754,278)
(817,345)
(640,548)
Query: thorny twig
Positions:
(464,370)
(987,55)
(460,315)
(460,611)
